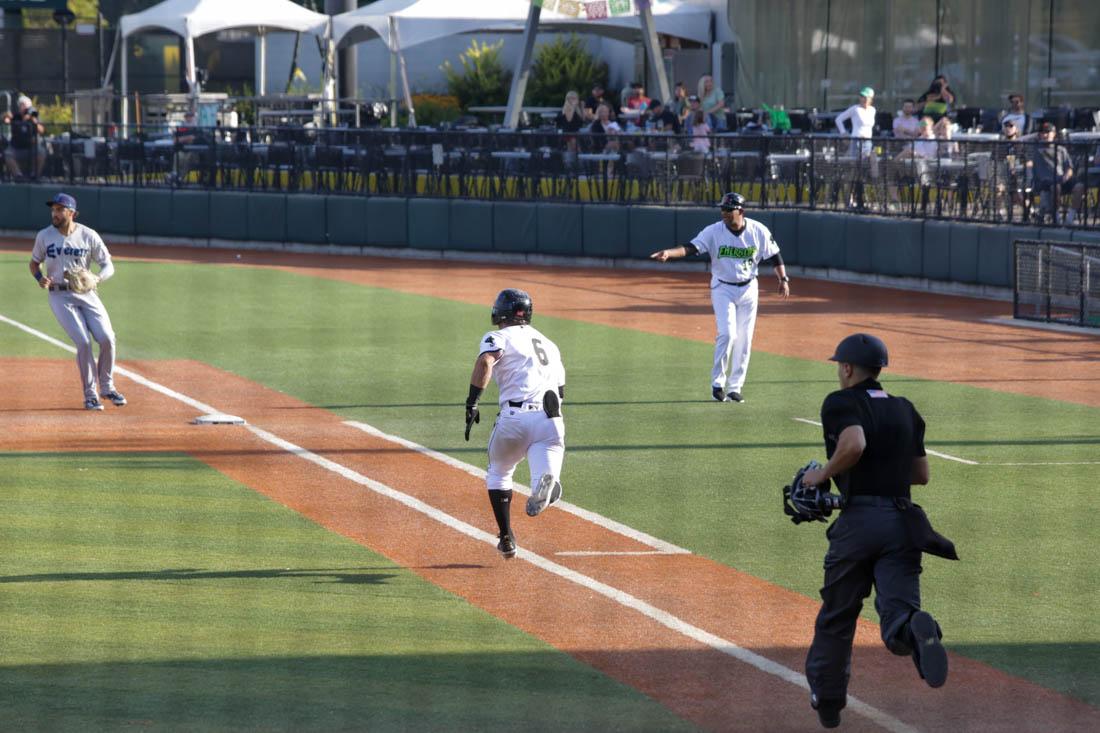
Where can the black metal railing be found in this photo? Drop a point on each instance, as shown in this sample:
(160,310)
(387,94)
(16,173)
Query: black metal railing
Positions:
(963,179)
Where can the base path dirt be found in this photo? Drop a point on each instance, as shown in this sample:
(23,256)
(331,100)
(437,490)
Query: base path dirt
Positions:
(930,336)
(669,657)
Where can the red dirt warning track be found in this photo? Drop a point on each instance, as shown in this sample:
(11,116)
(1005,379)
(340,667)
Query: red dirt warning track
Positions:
(699,683)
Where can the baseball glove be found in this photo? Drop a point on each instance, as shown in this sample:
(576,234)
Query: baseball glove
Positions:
(808,503)
(81,280)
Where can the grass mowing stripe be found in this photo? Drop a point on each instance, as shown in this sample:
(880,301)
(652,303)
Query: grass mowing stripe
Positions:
(621,597)
(279,625)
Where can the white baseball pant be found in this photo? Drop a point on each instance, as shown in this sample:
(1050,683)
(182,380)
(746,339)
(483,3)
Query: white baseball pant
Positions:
(85,319)
(735,316)
(524,431)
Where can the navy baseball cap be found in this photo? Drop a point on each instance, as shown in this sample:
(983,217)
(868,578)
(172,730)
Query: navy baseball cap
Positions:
(64,199)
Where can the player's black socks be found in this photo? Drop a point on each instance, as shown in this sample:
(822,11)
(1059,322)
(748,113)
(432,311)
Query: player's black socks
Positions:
(502,503)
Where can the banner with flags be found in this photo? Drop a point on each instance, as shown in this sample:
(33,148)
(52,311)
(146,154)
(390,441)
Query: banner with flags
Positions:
(591,9)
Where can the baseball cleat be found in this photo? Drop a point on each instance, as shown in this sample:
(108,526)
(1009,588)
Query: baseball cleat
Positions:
(93,404)
(718,394)
(928,653)
(546,493)
(507,546)
(114,396)
(735,397)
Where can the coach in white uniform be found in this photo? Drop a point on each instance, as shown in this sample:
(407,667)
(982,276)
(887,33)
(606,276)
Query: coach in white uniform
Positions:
(66,245)
(736,247)
(528,371)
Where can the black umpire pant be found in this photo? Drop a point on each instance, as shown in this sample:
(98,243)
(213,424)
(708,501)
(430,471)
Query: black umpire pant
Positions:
(868,545)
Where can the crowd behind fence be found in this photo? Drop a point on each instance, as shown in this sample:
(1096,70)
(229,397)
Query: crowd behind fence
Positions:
(962,179)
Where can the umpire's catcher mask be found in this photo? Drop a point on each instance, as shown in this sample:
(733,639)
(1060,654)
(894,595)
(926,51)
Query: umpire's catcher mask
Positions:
(512,306)
(808,503)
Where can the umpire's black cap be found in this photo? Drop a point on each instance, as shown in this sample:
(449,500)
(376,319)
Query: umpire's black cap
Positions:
(862,349)
(731,201)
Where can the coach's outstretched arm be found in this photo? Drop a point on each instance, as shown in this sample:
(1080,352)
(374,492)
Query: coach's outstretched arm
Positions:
(684,250)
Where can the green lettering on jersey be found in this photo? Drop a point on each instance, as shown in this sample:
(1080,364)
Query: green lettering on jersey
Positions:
(737,253)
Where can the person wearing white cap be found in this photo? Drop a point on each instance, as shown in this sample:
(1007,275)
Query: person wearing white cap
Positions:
(27,145)
(862,119)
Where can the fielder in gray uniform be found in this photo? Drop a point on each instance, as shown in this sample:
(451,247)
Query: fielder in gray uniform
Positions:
(66,246)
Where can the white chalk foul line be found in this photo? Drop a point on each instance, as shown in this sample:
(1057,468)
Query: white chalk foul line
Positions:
(602,521)
(622,598)
(929,451)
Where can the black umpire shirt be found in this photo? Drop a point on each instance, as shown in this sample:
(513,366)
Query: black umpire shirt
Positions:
(895,436)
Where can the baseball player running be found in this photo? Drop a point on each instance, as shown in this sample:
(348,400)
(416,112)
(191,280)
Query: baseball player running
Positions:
(528,371)
(737,246)
(68,248)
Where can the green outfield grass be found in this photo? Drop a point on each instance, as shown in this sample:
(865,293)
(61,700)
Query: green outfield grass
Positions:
(647,447)
(149,591)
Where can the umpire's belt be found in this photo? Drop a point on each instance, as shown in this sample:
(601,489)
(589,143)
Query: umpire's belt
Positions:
(741,284)
(868,500)
(525,405)
(61,287)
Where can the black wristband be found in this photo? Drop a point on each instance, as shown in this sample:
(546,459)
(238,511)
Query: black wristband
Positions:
(474,396)
(784,279)
(38,276)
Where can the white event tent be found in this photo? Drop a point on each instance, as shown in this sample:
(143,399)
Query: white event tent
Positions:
(192,18)
(420,21)
(403,24)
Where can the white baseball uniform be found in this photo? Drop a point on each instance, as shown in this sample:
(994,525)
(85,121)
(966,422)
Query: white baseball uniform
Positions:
(734,260)
(82,315)
(528,367)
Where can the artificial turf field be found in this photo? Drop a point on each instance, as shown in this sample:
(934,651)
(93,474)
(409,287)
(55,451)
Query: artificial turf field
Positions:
(152,588)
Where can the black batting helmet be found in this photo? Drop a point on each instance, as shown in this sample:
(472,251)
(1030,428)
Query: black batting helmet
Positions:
(731,201)
(512,306)
(861,349)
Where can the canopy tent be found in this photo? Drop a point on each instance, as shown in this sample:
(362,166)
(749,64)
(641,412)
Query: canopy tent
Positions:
(402,24)
(421,21)
(192,18)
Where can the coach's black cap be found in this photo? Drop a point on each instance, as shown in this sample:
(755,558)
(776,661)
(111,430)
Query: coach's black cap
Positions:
(862,349)
(731,201)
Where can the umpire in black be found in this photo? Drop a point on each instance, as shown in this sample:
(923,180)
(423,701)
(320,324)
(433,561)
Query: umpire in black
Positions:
(875,445)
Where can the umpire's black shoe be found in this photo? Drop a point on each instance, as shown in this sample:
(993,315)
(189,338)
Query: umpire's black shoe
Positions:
(507,546)
(735,397)
(828,711)
(928,653)
(718,394)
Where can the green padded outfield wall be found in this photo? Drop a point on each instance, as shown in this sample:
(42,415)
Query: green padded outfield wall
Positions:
(943,251)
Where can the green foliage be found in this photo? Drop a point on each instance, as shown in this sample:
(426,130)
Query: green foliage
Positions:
(562,65)
(246,108)
(483,79)
(57,116)
(84,10)
(432,109)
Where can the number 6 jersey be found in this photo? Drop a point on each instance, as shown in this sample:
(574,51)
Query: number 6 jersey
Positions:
(529,364)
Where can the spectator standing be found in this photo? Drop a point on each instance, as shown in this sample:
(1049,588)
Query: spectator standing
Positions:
(570,119)
(679,104)
(595,99)
(27,146)
(713,102)
(700,133)
(1052,174)
(862,119)
(1016,113)
(937,101)
(907,124)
